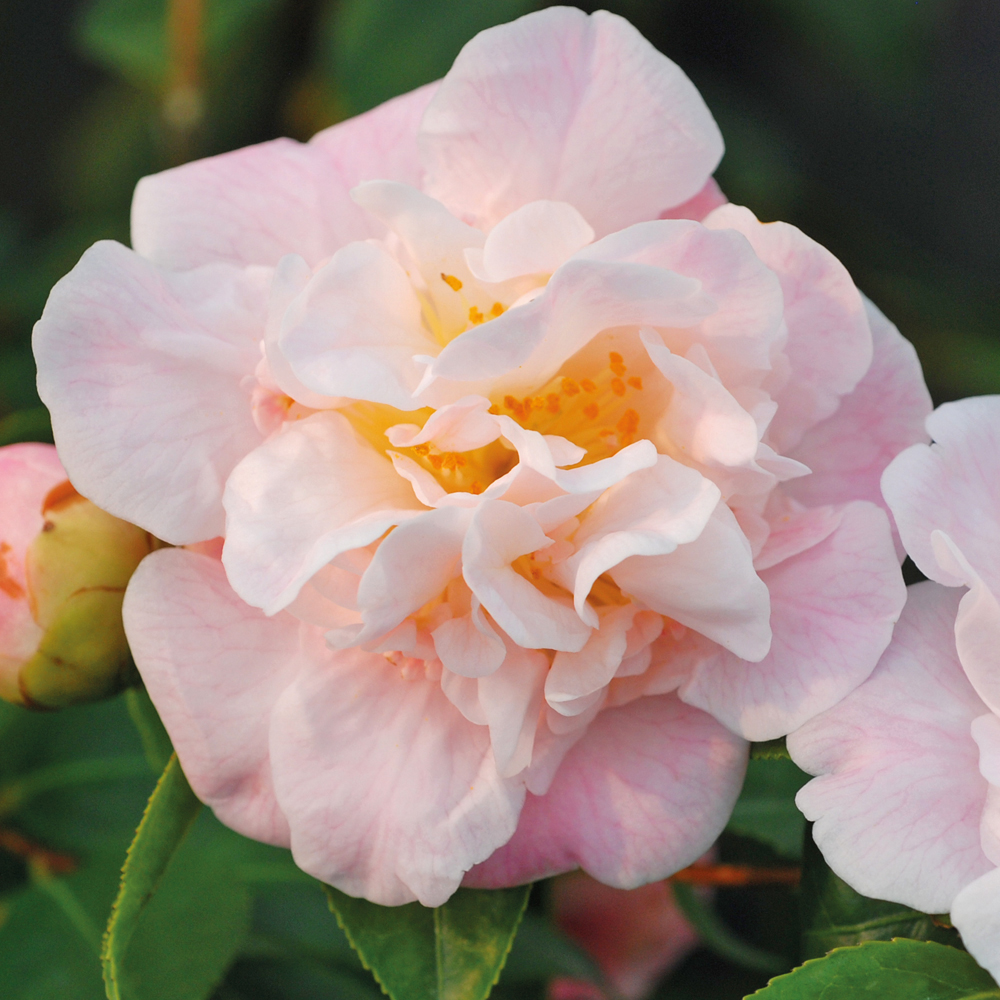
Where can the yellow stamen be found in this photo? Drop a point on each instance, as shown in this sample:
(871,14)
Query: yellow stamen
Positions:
(475,316)
(451,281)
(635,381)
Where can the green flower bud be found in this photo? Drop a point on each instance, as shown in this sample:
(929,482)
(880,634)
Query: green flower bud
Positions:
(76,571)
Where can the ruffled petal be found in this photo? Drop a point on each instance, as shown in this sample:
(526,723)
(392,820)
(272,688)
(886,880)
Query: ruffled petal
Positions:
(849,451)
(829,341)
(254,205)
(952,486)
(301,499)
(832,611)
(899,798)
(709,585)
(355,327)
(643,793)
(214,668)
(499,534)
(142,370)
(390,793)
(558,105)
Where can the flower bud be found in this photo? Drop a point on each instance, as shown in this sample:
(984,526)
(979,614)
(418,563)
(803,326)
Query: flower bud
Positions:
(64,566)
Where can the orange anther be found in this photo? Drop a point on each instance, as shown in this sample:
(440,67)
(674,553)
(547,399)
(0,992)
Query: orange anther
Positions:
(422,449)
(570,387)
(635,381)
(587,385)
(590,411)
(436,460)
(450,461)
(475,316)
(552,402)
(629,422)
(451,281)
(538,403)
(497,309)
(617,365)
(476,488)
(527,405)
(618,387)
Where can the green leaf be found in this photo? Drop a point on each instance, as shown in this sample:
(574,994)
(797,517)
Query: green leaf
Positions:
(889,970)
(453,952)
(180,915)
(834,915)
(26,425)
(375,49)
(766,808)
(541,951)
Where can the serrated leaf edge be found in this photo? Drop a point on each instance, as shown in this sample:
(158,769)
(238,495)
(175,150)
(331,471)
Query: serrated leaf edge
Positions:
(108,964)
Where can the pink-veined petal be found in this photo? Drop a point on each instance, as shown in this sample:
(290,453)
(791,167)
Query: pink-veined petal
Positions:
(142,370)
(558,105)
(390,793)
(214,668)
(643,793)
(952,486)
(898,802)
(254,205)
(833,607)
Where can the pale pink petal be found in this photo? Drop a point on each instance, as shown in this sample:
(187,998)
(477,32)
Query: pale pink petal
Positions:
(648,513)
(511,698)
(644,793)
(561,106)
(706,200)
(832,612)
(214,668)
(583,298)
(702,422)
(829,340)
(976,914)
(885,413)
(534,239)
(462,426)
(952,486)
(709,585)
(27,473)
(412,565)
(355,327)
(793,531)
(897,805)
(142,370)
(977,627)
(254,205)
(468,646)
(390,793)
(576,677)
(500,533)
(301,499)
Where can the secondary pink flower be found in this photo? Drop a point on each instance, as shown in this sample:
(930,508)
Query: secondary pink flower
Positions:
(906,805)
(512,462)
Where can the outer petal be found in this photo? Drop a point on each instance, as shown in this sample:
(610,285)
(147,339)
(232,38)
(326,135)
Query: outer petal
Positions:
(141,370)
(254,205)
(849,451)
(976,914)
(301,499)
(952,486)
(832,611)
(561,106)
(391,794)
(27,473)
(645,792)
(829,341)
(899,798)
(214,668)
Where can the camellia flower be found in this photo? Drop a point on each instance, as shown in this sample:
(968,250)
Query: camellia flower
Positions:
(546,478)
(906,805)
(64,564)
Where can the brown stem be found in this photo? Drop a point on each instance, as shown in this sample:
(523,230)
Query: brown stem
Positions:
(183,105)
(736,875)
(16,843)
